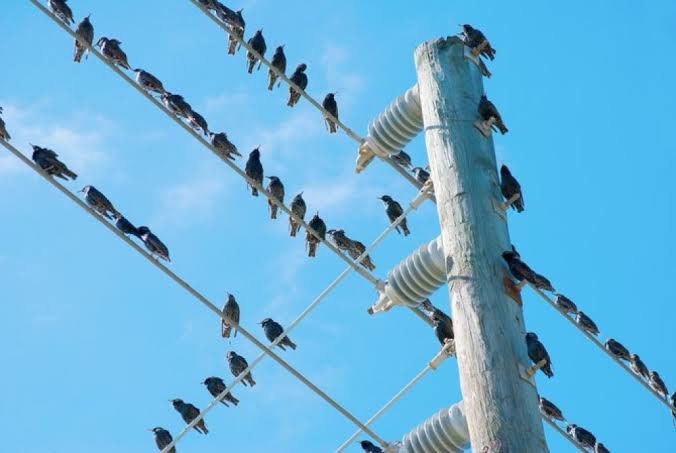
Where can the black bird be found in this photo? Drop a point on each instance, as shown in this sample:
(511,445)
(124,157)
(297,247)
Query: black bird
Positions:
(231,311)
(237,26)
(421,175)
(148,81)
(541,282)
(61,10)
(216,386)
(487,111)
(586,323)
(127,227)
(110,48)
(257,43)
(600,448)
(153,244)
(443,326)
(340,239)
(224,146)
(3,130)
(273,330)
(551,410)
(510,187)
(85,31)
(254,170)
(318,225)
(475,38)
(279,62)
(537,352)
(189,413)
(581,436)
(394,211)
(331,106)
(48,160)
(227,15)
(163,438)
(519,269)
(237,366)
(402,158)
(638,367)
(176,104)
(617,349)
(300,79)
(276,189)
(565,304)
(355,250)
(658,385)
(368,447)
(299,208)
(99,203)
(198,122)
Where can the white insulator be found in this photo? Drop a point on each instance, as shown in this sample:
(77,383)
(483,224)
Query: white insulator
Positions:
(444,432)
(401,121)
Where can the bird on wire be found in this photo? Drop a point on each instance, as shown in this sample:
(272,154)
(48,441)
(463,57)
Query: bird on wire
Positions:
(331,106)
(257,43)
(154,245)
(61,10)
(617,349)
(216,386)
(85,31)
(223,145)
(300,79)
(149,82)
(278,62)
(538,353)
(276,189)
(254,170)
(237,365)
(110,48)
(581,436)
(99,203)
(231,312)
(299,208)
(48,161)
(273,330)
(126,227)
(550,409)
(162,439)
(189,413)
(394,210)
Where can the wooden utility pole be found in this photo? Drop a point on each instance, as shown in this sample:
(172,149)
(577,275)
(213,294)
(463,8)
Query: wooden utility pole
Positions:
(500,406)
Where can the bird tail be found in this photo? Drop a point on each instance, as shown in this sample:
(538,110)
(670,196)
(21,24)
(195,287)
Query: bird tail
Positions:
(203,426)
(251,65)
(79,51)
(273,210)
(518,205)
(311,249)
(226,330)
(260,63)
(500,125)
(332,126)
(289,343)
(272,78)
(294,96)
(70,174)
(547,369)
(250,380)
(293,227)
(404,228)
(367,263)
(125,65)
(254,191)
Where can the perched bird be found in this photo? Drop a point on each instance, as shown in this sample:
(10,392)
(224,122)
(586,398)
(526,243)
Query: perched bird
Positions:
(216,386)
(443,326)
(254,170)
(330,106)
(189,413)
(3,130)
(510,187)
(127,227)
(299,208)
(99,203)
(110,48)
(565,304)
(600,448)
(61,10)
(521,271)
(257,43)
(581,436)
(541,282)
(402,158)
(237,366)
(421,175)
(224,146)
(551,410)
(487,111)
(340,239)
(273,330)
(586,323)
(85,31)
(638,367)
(231,311)
(278,62)
(237,26)
(355,250)
(368,447)
(148,81)
(163,438)
(198,122)
(617,349)
(394,211)
(475,38)
(318,225)
(48,160)
(276,189)
(658,385)
(153,244)
(537,352)
(300,79)
(176,104)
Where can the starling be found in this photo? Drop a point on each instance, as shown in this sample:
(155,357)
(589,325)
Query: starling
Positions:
(230,311)
(340,239)
(355,250)
(581,436)
(153,244)
(189,413)
(565,304)
(216,386)
(278,62)
(110,48)
(276,189)
(475,38)
(541,282)
(510,187)
(586,323)
(394,211)
(236,34)
(617,349)
(638,367)
(163,438)
(198,122)
(176,104)
(520,270)
(402,158)
(330,106)
(127,227)
(600,448)
(318,225)
(658,385)
(368,447)
(537,352)
(148,81)
(550,410)
(3,130)
(257,43)
(224,147)
(443,326)
(48,160)
(300,79)
(299,208)
(85,31)
(273,330)
(237,366)
(487,111)
(99,203)
(254,170)
(233,19)
(61,10)
(421,175)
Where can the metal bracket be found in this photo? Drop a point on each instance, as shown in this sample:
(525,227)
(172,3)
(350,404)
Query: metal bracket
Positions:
(485,127)
(525,374)
(448,350)
(364,157)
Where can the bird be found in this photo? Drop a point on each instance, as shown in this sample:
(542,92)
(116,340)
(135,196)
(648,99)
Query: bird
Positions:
(236,35)
(126,226)
(521,271)
(189,413)
(231,311)
(223,145)
(300,79)
(357,249)
(278,62)
(176,104)
(330,105)
(299,208)
(237,366)
(198,122)
(541,282)
(48,160)
(3,130)
(510,187)
(487,110)
(318,225)
(340,239)
(421,175)
(276,189)
(537,352)
(368,447)
(216,386)
(617,349)
(257,43)
(273,330)
(153,244)
(61,10)
(475,38)
(84,31)
(208,4)
(402,158)
(550,409)
(394,211)
(581,436)
(99,203)
(565,304)
(658,385)
(672,400)
(600,448)
(110,48)
(443,326)
(163,438)
(254,170)
(638,367)
(586,323)
(148,81)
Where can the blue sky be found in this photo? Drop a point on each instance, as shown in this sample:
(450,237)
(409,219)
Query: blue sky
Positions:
(96,341)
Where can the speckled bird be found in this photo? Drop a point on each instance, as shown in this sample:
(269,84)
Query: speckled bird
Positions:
(565,304)
(340,239)
(487,110)
(402,158)
(300,79)
(394,211)
(189,413)
(216,386)
(254,170)
(541,282)
(510,187)
(99,203)
(127,227)
(658,384)
(176,104)
(299,208)
(153,244)
(369,447)
(318,225)
(581,436)
(231,311)
(550,409)
(278,62)
(443,326)
(149,82)
(163,439)
(223,145)
(355,250)
(197,122)
(330,105)
(537,352)
(617,349)
(61,10)
(237,366)
(48,160)
(110,48)
(257,43)
(85,31)
(586,323)
(638,367)
(474,38)
(273,330)
(276,189)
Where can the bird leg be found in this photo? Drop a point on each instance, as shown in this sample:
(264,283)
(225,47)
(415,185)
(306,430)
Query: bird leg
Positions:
(507,204)
(530,372)
(512,290)
(485,126)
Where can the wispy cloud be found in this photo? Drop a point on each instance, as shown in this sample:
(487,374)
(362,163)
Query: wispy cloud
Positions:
(226,101)
(346,83)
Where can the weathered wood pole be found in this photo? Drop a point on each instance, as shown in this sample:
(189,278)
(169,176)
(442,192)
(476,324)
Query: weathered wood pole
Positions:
(501,407)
